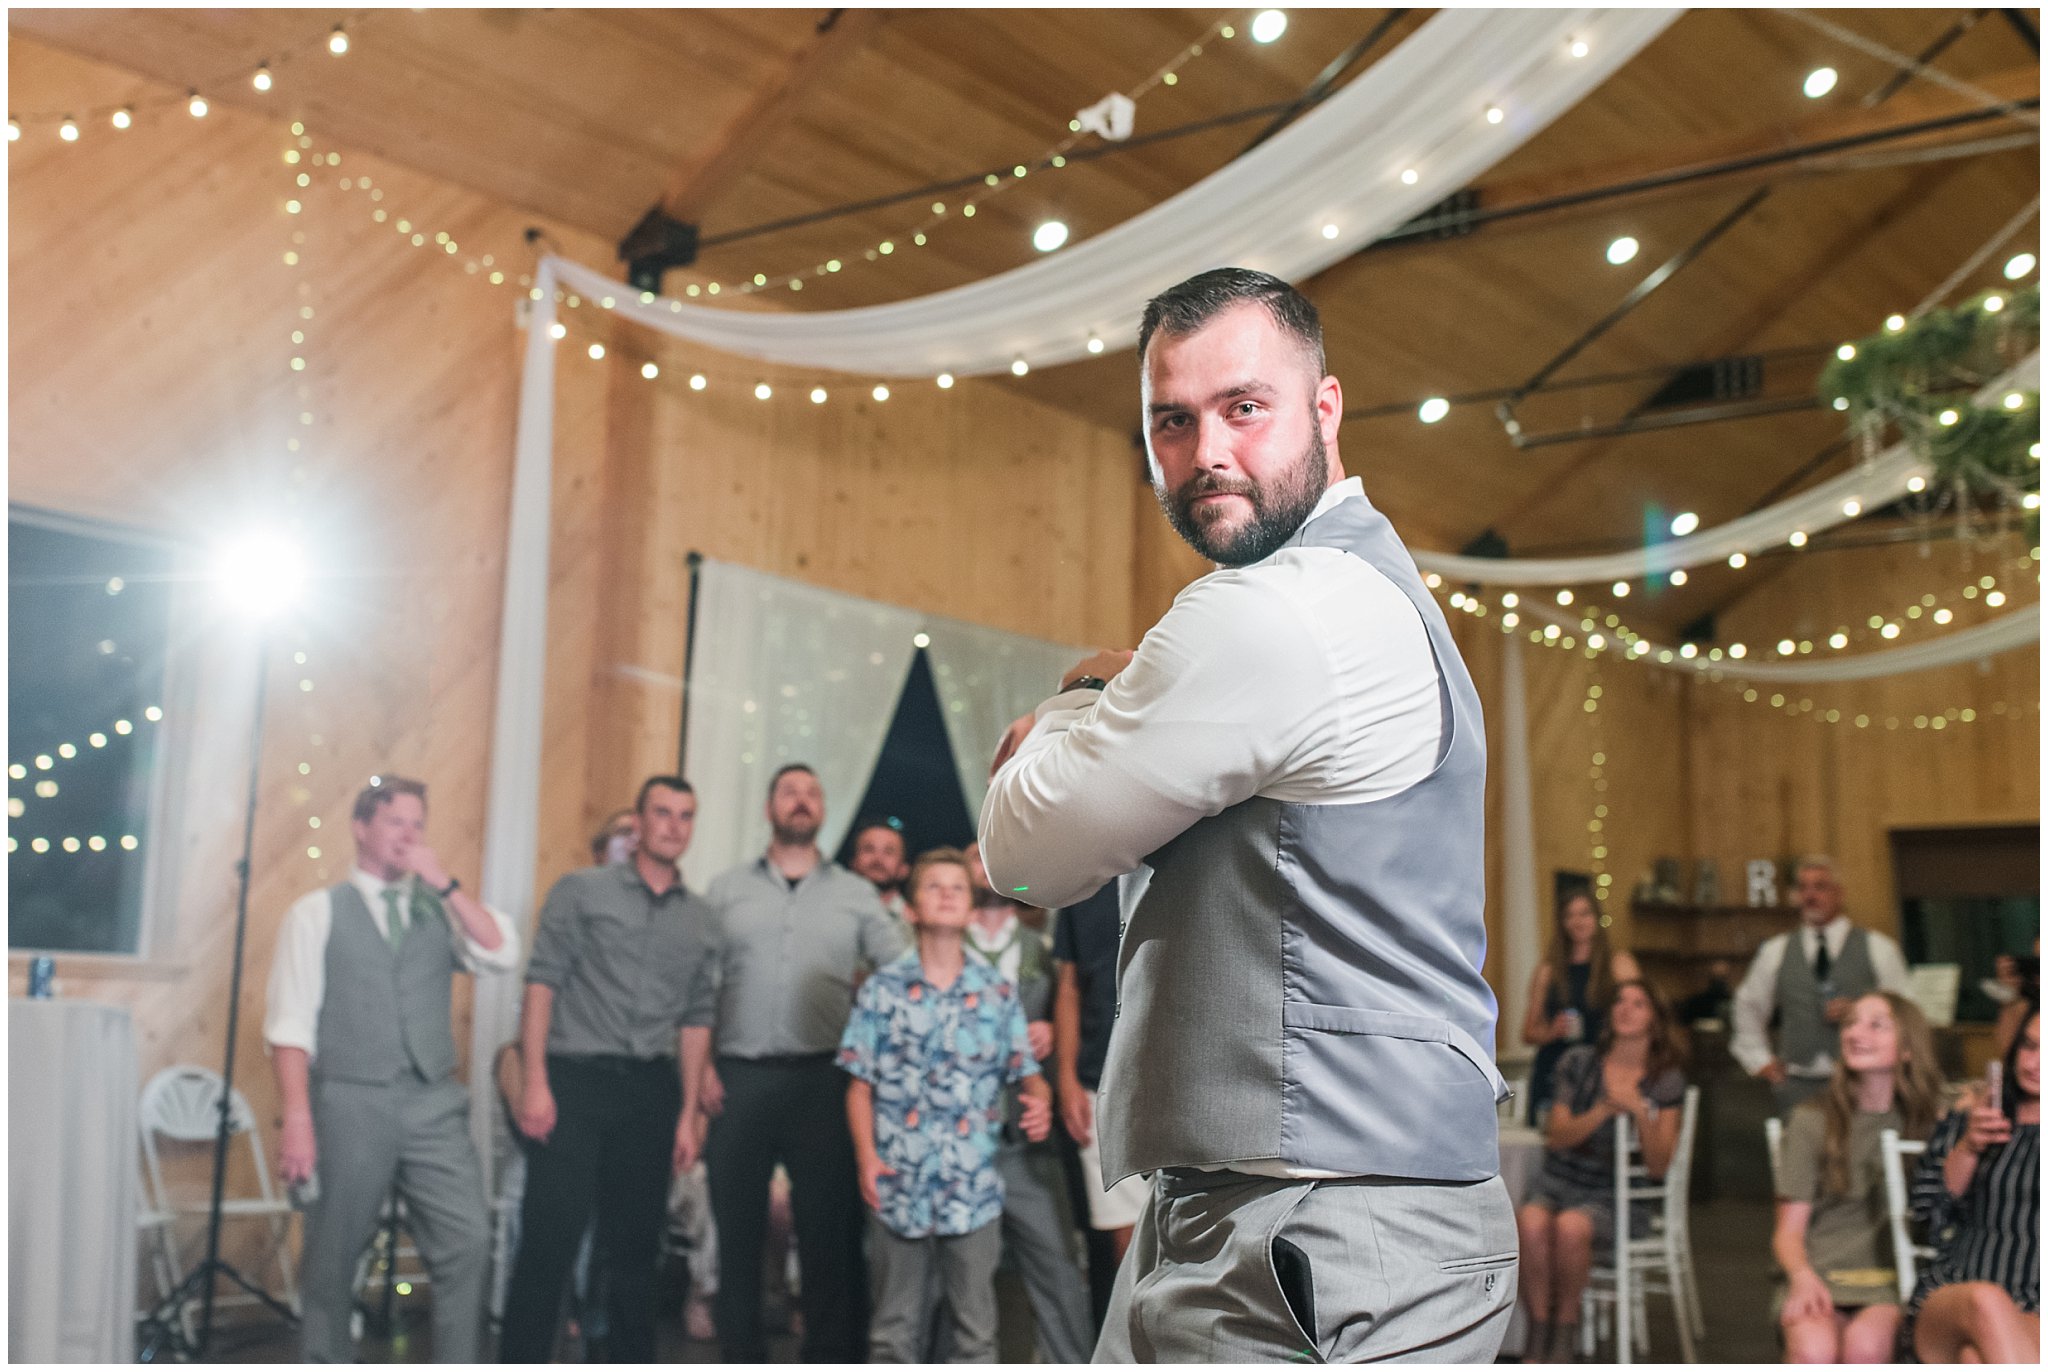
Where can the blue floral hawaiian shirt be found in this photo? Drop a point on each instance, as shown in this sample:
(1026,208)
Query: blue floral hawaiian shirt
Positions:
(938,1060)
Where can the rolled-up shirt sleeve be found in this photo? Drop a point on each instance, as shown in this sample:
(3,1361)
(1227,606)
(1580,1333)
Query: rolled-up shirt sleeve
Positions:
(556,935)
(1754,1001)
(477,958)
(298,974)
(1212,707)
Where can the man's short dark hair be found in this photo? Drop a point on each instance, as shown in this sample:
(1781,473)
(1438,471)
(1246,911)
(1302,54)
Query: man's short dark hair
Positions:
(380,791)
(784,770)
(894,826)
(1181,310)
(673,783)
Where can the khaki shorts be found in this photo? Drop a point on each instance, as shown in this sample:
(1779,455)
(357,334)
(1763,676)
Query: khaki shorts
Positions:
(1115,1207)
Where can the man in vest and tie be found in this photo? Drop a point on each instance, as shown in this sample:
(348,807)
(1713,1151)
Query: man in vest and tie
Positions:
(1289,777)
(358,1029)
(1808,979)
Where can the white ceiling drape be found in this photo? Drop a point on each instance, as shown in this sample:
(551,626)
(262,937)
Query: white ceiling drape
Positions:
(1422,108)
(1870,485)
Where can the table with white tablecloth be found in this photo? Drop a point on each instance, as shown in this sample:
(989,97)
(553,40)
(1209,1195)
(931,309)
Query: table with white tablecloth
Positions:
(71,1182)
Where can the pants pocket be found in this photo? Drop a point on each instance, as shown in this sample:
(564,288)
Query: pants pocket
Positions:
(1297,1286)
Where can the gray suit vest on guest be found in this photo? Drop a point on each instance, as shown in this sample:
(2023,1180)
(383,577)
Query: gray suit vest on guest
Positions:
(1803,1029)
(1301,981)
(385,1012)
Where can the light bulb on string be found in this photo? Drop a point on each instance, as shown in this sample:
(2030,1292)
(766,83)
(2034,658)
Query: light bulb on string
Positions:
(122,117)
(763,391)
(68,130)
(1495,114)
(1019,367)
(337,42)
(698,382)
(1623,250)
(1049,236)
(196,105)
(1684,523)
(818,396)
(1433,409)
(1894,323)
(14,130)
(261,80)
(1094,344)
(1819,82)
(2018,266)
(945,381)
(1268,25)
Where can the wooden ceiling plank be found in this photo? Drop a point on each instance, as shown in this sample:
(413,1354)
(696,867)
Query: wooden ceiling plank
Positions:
(697,184)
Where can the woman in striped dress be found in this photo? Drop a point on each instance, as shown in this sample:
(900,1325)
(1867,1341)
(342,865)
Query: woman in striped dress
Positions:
(1978,1188)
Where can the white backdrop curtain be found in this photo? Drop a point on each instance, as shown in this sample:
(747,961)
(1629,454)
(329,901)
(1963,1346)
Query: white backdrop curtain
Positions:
(1870,485)
(784,672)
(985,679)
(1421,107)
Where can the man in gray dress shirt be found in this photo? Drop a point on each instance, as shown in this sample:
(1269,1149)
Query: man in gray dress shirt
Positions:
(1289,776)
(614,1035)
(795,931)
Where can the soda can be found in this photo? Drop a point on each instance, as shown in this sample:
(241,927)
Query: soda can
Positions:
(42,974)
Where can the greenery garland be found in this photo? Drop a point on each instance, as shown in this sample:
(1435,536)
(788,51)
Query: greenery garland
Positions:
(1920,380)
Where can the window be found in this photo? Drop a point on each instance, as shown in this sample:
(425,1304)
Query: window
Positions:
(88,637)
(1966,896)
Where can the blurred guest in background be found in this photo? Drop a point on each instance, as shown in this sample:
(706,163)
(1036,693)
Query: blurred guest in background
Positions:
(1807,979)
(1978,1189)
(1833,1238)
(1569,995)
(1633,1070)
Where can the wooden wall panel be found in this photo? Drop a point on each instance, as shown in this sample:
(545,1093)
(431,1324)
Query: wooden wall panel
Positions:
(151,314)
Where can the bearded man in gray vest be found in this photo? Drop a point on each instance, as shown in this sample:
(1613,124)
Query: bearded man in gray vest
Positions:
(1289,776)
(1808,979)
(358,1029)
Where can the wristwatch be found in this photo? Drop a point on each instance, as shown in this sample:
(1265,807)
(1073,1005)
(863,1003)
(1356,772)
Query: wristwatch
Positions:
(1085,683)
(449,889)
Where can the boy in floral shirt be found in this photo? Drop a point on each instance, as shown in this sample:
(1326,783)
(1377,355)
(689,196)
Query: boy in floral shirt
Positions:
(933,1041)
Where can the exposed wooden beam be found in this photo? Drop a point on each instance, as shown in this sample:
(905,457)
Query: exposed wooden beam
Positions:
(698,182)
(1737,161)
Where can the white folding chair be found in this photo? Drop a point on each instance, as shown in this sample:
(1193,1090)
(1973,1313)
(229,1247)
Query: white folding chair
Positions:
(182,1104)
(1908,1255)
(1774,1143)
(1660,1263)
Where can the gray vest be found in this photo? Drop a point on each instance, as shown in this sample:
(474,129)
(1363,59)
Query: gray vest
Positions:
(1803,1029)
(385,1013)
(1302,981)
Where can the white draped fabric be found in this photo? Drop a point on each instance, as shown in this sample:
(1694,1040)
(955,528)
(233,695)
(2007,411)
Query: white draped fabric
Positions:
(2016,630)
(987,678)
(1869,485)
(1521,915)
(781,672)
(1420,108)
(784,672)
(512,805)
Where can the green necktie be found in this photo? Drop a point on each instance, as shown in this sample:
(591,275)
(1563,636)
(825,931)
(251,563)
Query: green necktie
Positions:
(394,919)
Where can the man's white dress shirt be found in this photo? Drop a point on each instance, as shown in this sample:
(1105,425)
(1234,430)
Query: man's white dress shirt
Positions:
(1306,677)
(298,973)
(1757,997)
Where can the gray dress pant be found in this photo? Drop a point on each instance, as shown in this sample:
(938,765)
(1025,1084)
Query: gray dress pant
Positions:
(414,1134)
(1225,1267)
(962,1270)
(1036,1236)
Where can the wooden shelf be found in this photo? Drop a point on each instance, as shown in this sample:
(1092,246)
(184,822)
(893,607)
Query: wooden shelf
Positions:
(1775,911)
(1703,933)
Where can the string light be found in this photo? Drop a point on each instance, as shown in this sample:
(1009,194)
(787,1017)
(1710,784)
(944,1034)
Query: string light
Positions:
(197,105)
(880,393)
(1433,409)
(1683,524)
(68,130)
(1495,114)
(1268,25)
(2018,266)
(261,80)
(1622,250)
(1819,82)
(337,42)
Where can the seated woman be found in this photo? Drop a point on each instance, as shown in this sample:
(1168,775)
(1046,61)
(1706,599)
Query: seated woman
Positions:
(1980,1299)
(1633,1071)
(1569,994)
(1833,1238)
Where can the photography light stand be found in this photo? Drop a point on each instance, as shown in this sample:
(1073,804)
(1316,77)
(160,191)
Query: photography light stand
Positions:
(163,1325)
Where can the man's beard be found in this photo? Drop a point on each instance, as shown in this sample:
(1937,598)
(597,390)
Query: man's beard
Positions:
(1279,508)
(795,833)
